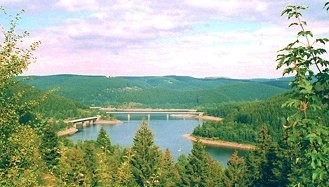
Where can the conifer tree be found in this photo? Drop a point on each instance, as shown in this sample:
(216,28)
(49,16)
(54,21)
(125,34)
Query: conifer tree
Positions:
(217,172)
(146,159)
(91,163)
(197,170)
(103,141)
(49,148)
(125,176)
(257,159)
(270,176)
(287,154)
(72,168)
(105,173)
(180,167)
(108,164)
(234,174)
(169,174)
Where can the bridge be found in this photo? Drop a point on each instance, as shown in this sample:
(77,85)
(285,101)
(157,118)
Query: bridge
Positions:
(167,113)
(83,121)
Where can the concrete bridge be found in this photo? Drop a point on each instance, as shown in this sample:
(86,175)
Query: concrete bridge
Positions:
(167,113)
(83,121)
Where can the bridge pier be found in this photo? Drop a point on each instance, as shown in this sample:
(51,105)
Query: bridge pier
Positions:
(200,114)
(164,112)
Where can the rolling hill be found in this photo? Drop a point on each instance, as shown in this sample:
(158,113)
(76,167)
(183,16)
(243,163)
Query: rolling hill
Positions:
(154,91)
(51,105)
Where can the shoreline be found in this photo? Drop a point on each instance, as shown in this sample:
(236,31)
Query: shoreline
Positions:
(209,118)
(72,130)
(67,132)
(188,116)
(220,143)
(191,116)
(107,122)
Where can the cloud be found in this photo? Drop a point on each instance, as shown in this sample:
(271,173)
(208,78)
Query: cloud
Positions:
(232,38)
(231,6)
(5,2)
(77,5)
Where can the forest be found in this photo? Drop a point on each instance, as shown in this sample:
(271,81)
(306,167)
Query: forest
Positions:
(157,92)
(290,130)
(242,121)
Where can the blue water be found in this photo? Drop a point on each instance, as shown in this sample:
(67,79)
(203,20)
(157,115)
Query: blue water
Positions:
(167,134)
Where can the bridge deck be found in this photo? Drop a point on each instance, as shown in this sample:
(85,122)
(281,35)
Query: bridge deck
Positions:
(153,112)
(83,119)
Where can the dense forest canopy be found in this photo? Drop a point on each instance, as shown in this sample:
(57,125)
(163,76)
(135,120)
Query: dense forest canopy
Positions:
(157,92)
(243,120)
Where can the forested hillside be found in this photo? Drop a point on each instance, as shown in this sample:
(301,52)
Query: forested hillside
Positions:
(243,120)
(165,92)
(49,104)
(49,107)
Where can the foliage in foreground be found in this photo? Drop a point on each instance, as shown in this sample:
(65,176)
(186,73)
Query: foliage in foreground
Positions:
(307,135)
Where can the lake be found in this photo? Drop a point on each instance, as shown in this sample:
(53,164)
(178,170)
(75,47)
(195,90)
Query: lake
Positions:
(167,134)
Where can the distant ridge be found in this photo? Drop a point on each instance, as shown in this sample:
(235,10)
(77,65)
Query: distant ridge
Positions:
(172,76)
(157,91)
(217,78)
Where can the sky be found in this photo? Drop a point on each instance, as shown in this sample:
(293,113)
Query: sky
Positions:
(199,38)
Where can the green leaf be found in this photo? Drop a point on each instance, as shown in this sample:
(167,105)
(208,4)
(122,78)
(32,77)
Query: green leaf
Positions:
(287,10)
(305,33)
(322,40)
(326,5)
(294,23)
(302,7)
(319,51)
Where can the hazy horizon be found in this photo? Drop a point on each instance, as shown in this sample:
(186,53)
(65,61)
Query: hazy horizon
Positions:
(208,77)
